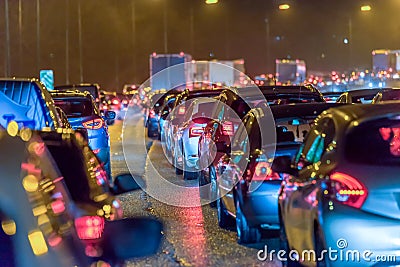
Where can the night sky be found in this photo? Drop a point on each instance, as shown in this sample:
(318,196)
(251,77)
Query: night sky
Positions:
(117,42)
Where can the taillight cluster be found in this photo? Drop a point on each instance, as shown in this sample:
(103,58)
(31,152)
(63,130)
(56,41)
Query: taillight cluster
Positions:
(348,189)
(227,128)
(152,114)
(263,172)
(93,124)
(195,131)
(89,227)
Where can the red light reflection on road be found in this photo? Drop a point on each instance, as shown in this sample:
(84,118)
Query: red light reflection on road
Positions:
(193,235)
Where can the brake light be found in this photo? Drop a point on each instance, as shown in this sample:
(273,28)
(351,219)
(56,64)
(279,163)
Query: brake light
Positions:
(93,124)
(89,227)
(196,131)
(263,172)
(152,114)
(227,128)
(349,190)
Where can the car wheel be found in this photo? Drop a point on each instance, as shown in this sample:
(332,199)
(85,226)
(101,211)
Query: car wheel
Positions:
(178,170)
(224,219)
(202,178)
(246,234)
(213,185)
(284,244)
(319,246)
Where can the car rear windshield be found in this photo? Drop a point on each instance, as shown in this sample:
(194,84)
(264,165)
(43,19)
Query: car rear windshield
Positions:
(376,143)
(391,95)
(365,99)
(74,107)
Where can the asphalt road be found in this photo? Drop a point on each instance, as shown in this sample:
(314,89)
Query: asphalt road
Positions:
(191,234)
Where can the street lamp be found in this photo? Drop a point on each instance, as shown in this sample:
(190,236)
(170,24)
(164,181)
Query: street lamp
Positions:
(284,7)
(365,8)
(210,2)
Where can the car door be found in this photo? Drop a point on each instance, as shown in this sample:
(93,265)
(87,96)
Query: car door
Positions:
(301,191)
(231,167)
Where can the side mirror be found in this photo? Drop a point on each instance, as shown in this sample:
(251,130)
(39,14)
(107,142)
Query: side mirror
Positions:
(283,164)
(126,182)
(131,238)
(110,115)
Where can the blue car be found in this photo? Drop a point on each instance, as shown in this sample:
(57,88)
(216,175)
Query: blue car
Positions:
(28,103)
(82,111)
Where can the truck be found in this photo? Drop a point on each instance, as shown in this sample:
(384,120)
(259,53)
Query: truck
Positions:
(219,72)
(385,60)
(290,71)
(168,71)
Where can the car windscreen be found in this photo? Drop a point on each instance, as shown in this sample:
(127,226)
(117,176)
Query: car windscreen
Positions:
(375,143)
(75,107)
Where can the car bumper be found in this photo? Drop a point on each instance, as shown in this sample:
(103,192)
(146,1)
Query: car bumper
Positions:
(260,206)
(362,232)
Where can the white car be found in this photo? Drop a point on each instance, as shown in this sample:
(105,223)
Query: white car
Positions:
(186,155)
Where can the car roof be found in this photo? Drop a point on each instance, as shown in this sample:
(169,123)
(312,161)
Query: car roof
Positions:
(365,91)
(301,110)
(367,111)
(77,85)
(289,88)
(72,93)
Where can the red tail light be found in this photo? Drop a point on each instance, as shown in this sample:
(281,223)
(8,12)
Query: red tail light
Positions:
(152,114)
(89,227)
(196,131)
(349,190)
(115,102)
(263,172)
(227,128)
(93,124)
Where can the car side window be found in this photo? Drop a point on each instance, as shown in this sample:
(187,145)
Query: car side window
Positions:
(241,136)
(316,143)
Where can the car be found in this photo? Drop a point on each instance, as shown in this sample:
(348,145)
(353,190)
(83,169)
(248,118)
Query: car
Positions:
(27,102)
(290,94)
(152,112)
(359,96)
(386,94)
(83,173)
(175,120)
(339,191)
(246,185)
(165,110)
(43,226)
(81,112)
(197,115)
(92,88)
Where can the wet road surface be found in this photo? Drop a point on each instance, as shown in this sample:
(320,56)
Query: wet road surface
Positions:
(191,235)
